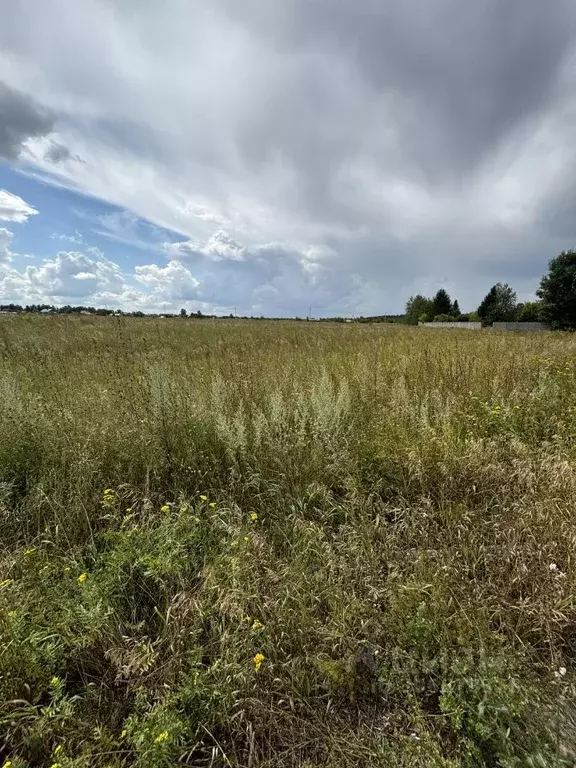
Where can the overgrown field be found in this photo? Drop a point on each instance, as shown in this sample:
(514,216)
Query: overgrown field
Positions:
(285,544)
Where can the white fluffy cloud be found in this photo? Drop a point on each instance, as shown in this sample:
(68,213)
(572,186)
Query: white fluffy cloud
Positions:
(70,277)
(13,208)
(220,247)
(412,144)
(73,277)
(168,284)
(5,242)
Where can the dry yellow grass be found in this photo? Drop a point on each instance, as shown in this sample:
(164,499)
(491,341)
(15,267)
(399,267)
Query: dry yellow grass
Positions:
(285,544)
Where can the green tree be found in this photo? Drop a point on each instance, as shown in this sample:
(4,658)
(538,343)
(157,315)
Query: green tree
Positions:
(499,305)
(442,303)
(529,312)
(183,313)
(558,291)
(455,311)
(417,306)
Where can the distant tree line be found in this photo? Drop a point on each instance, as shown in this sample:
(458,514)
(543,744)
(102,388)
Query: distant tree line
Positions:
(68,309)
(51,309)
(555,307)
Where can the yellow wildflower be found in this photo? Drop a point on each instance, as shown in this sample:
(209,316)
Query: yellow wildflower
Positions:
(58,749)
(6,583)
(165,508)
(212,505)
(123,734)
(162,737)
(82,578)
(258,659)
(257,624)
(253,516)
(109,498)
(196,519)
(30,551)
(55,681)
(246,538)
(128,510)
(203,497)
(7,764)
(56,765)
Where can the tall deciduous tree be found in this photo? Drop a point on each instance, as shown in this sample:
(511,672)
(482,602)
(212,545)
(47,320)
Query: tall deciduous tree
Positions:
(499,305)
(416,306)
(558,291)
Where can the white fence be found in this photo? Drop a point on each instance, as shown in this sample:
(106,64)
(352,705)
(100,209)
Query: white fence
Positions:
(519,326)
(469,326)
(495,326)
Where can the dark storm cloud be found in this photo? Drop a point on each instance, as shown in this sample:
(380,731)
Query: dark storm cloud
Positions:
(21,118)
(57,153)
(410,142)
(456,78)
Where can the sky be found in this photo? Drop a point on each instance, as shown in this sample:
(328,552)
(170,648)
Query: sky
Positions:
(283,158)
